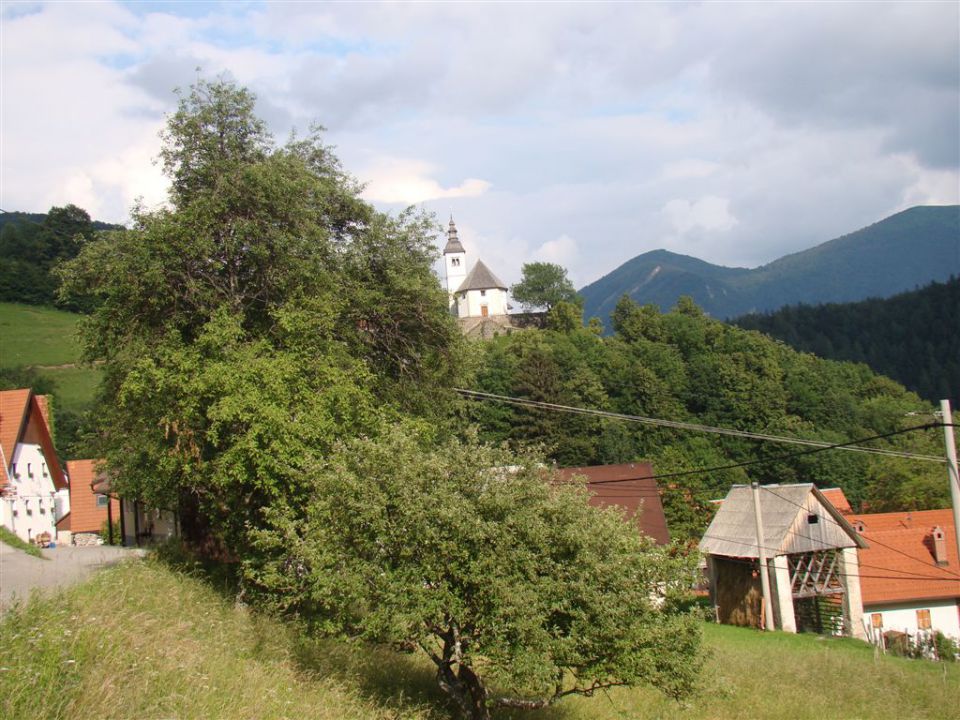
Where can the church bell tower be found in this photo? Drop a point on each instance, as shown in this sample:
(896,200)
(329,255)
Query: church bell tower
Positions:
(454,263)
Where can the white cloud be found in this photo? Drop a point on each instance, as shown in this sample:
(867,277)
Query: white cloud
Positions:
(735,132)
(402,180)
(562,251)
(707,213)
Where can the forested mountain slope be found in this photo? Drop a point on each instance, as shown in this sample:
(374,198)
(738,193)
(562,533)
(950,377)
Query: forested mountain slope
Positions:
(684,366)
(906,250)
(913,337)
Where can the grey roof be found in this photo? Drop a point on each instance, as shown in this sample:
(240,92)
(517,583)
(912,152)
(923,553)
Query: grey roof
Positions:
(786,528)
(453,242)
(481,278)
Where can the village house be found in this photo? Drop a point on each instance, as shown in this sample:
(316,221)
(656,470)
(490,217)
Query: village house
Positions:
(34,490)
(90,512)
(812,562)
(910,572)
(140,524)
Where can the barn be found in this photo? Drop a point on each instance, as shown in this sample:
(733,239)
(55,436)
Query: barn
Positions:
(811,558)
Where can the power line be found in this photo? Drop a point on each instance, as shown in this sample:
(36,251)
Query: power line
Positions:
(696,427)
(777,458)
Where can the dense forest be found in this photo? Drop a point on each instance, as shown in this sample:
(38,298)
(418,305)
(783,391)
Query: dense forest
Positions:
(32,244)
(685,366)
(911,337)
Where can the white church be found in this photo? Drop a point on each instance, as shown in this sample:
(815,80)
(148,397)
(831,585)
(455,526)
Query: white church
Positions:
(475,294)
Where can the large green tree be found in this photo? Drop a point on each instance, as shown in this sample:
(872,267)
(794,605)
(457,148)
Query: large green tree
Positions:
(266,313)
(543,285)
(517,589)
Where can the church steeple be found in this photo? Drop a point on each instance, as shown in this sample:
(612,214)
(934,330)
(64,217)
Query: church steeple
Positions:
(454,264)
(453,242)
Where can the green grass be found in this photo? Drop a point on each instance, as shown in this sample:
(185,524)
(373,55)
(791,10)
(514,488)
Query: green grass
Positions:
(75,387)
(142,640)
(45,338)
(14,540)
(33,335)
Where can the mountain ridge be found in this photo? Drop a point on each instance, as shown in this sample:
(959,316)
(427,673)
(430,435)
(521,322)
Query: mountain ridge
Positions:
(908,249)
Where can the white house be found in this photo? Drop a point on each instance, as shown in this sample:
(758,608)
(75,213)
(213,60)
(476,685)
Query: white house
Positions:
(910,573)
(474,294)
(34,490)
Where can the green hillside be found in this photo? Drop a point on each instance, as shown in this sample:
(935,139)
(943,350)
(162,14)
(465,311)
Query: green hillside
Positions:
(684,366)
(904,251)
(911,337)
(170,645)
(44,339)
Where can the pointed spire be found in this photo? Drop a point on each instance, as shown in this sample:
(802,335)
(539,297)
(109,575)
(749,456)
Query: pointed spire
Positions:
(453,242)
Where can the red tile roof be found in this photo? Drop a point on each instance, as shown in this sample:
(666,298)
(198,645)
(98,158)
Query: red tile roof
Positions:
(837,499)
(13,414)
(635,490)
(899,565)
(23,418)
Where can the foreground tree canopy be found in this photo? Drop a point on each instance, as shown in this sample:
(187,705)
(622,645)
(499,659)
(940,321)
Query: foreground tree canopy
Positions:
(266,313)
(260,338)
(518,590)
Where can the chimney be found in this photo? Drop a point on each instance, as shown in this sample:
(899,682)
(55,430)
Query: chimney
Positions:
(940,546)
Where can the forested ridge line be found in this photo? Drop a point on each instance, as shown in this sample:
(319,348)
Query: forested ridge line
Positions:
(911,337)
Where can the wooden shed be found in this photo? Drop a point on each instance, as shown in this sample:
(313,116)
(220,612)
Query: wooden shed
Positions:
(811,552)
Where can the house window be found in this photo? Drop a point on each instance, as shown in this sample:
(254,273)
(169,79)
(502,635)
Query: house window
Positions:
(13,467)
(876,620)
(43,467)
(813,519)
(29,469)
(923,620)
(102,501)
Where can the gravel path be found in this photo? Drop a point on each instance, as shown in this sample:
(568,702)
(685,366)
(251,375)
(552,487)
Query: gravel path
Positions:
(21,573)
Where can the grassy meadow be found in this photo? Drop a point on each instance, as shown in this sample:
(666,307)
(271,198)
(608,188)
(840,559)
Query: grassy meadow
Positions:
(144,640)
(45,339)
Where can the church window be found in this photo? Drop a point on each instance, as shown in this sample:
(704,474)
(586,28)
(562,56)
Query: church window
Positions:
(455,262)
(483,293)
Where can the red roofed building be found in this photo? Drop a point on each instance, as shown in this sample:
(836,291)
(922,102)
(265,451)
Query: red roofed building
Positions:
(910,573)
(34,492)
(837,499)
(89,511)
(630,486)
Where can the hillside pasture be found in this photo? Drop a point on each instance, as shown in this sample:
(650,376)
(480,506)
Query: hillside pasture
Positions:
(45,339)
(145,640)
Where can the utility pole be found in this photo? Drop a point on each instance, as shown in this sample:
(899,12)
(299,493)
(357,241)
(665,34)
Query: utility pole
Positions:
(952,472)
(764,575)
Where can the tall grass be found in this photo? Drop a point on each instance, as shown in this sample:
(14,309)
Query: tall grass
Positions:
(142,640)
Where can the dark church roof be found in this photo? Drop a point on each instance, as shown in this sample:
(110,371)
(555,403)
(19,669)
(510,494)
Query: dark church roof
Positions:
(481,278)
(453,242)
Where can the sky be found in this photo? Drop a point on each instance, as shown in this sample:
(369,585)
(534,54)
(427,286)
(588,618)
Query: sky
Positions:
(577,133)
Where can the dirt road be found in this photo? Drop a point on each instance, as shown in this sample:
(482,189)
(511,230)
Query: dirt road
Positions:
(21,573)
